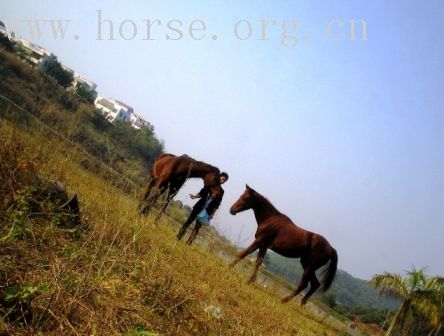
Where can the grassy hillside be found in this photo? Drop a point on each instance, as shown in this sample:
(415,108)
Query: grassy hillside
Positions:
(111,272)
(118,147)
(116,273)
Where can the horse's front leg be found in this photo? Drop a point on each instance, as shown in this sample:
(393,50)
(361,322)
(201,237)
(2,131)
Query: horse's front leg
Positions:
(170,195)
(259,260)
(147,200)
(250,249)
(158,191)
(194,232)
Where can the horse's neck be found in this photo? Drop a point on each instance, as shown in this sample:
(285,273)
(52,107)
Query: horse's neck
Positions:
(263,210)
(200,170)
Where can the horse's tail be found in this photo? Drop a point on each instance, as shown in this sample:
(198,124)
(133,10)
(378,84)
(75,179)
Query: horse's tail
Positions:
(329,273)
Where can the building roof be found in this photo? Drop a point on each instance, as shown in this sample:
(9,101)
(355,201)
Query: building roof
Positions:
(107,103)
(79,78)
(123,104)
(34,47)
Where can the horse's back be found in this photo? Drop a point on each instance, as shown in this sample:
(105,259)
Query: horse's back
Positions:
(182,164)
(290,240)
(166,155)
(185,164)
(164,158)
(162,164)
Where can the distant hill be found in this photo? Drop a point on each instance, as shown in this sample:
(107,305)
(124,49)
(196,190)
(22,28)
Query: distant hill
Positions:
(347,289)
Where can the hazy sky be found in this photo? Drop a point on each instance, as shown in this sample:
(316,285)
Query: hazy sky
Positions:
(345,137)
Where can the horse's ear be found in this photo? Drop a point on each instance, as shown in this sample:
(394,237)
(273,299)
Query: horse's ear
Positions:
(247,187)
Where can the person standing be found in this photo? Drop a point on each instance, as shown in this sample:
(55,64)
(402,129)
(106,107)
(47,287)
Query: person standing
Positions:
(203,211)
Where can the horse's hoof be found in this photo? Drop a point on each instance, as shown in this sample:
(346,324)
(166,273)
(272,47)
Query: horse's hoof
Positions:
(286,299)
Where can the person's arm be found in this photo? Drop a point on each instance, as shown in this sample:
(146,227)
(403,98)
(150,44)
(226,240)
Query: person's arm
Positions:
(198,195)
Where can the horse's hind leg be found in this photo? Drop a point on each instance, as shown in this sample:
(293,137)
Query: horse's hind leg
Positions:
(306,276)
(314,284)
(259,260)
(194,233)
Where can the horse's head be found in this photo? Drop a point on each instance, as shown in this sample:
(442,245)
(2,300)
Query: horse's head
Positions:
(212,179)
(244,202)
(215,191)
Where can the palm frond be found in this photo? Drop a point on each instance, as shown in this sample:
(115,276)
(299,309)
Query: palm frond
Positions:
(390,283)
(416,279)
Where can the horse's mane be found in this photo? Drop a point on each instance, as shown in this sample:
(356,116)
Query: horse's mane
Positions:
(198,162)
(264,202)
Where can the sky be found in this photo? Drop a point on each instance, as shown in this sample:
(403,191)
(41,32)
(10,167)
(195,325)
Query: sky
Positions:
(345,136)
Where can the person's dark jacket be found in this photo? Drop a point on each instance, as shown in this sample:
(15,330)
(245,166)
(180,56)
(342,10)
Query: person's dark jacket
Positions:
(212,207)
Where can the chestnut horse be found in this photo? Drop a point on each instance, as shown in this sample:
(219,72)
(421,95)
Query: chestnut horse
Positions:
(169,173)
(277,232)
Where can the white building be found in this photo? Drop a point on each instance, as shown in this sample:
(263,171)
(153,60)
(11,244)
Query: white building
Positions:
(82,81)
(114,109)
(138,122)
(40,56)
(35,53)
(85,83)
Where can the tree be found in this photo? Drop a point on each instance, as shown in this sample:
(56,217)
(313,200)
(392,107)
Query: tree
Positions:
(329,299)
(85,94)
(54,69)
(6,43)
(433,307)
(417,293)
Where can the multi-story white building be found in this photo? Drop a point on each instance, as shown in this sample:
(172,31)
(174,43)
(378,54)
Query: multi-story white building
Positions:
(82,81)
(35,53)
(138,122)
(114,109)
(85,83)
(41,56)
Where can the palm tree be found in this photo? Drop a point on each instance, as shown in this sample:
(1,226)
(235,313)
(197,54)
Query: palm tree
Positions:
(416,292)
(433,307)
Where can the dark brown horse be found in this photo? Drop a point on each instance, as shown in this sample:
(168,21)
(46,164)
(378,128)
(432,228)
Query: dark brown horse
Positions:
(277,232)
(169,173)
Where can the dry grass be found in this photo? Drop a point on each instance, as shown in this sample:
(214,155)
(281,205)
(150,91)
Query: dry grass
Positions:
(117,273)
